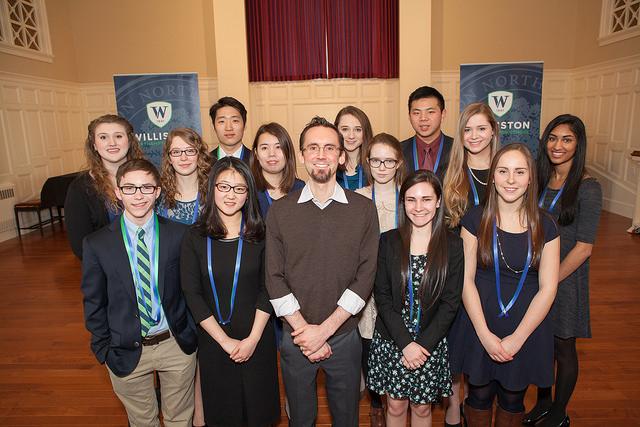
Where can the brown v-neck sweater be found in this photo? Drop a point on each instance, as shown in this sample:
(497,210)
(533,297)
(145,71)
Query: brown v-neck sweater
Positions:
(317,254)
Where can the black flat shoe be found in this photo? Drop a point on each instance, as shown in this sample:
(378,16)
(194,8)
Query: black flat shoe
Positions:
(533,417)
(564,423)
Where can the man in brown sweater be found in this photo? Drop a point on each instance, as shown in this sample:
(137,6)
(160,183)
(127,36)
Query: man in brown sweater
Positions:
(322,245)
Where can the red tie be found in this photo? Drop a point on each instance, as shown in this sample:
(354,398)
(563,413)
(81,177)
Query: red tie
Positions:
(427,164)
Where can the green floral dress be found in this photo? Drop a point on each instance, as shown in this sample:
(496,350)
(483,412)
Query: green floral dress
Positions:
(387,375)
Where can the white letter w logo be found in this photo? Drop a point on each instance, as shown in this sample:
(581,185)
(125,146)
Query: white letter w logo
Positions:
(159,113)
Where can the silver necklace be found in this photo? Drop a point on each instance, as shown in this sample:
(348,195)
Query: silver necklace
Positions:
(504,260)
(476,178)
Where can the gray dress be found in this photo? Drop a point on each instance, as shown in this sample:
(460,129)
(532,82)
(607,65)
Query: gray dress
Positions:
(570,311)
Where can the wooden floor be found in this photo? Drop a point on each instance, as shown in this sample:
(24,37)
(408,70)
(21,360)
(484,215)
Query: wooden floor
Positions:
(48,376)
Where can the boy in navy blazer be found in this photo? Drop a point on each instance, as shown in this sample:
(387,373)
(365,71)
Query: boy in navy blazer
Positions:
(133,303)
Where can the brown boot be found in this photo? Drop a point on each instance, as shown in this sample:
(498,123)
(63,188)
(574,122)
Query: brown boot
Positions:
(477,417)
(508,419)
(377,417)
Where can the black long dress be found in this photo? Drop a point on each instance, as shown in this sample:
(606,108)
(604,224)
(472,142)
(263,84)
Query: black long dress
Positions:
(233,394)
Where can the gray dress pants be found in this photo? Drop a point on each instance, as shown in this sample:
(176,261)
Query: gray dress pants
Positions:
(342,373)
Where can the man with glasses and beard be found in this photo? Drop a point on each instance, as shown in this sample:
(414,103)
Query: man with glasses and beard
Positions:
(321,253)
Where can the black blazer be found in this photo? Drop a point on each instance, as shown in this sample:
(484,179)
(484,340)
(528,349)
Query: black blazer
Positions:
(85,211)
(246,155)
(407,152)
(110,305)
(437,318)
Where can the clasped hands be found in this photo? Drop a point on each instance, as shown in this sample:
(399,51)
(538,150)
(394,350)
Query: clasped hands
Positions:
(414,356)
(312,340)
(240,350)
(501,350)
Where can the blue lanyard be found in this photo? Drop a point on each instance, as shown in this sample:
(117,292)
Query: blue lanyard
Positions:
(268,196)
(155,244)
(373,197)
(411,299)
(476,199)
(196,210)
(346,181)
(236,274)
(496,265)
(555,199)
(415,154)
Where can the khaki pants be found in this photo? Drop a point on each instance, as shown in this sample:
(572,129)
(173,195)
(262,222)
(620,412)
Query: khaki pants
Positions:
(176,371)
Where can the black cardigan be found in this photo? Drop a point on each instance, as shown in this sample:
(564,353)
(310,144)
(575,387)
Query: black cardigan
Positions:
(437,317)
(85,211)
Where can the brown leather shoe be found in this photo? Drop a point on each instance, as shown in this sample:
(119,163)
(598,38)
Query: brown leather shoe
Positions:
(477,417)
(508,419)
(377,417)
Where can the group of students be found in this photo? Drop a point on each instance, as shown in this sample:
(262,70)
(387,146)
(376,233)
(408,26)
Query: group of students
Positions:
(458,220)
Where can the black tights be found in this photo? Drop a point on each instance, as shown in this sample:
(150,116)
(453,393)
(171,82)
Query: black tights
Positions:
(481,397)
(376,400)
(566,357)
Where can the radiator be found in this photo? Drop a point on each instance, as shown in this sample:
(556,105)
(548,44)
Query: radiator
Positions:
(7,219)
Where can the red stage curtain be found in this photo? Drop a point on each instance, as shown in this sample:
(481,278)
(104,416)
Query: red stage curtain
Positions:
(286,39)
(289,39)
(362,38)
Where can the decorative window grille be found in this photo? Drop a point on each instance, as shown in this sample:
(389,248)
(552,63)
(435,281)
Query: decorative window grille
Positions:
(24,30)
(619,20)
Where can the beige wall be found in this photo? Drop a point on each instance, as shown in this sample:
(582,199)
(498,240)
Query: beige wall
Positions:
(587,49)
(142,36)
(503,30)
(63,66)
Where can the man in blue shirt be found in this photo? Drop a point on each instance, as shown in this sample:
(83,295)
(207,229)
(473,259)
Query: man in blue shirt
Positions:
(133,304)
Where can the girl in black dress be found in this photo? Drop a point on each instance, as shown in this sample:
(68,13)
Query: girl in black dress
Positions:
(91,201)
(465,184)
(511,276)
(575,199)
(417,291)
(222,269)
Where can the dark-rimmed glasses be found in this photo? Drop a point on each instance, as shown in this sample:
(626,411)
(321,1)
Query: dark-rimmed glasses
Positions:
(176,152)
(388,163)
(130,190)
(225,188)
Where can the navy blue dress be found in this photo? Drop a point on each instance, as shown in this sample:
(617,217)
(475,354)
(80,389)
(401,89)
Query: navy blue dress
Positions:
(533,364)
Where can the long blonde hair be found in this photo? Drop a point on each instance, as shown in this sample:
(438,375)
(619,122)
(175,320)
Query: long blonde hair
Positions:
(456,181)
(168,174)
(101,182)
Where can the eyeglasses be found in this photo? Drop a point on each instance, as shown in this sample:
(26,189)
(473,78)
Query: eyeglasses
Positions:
(176,152)
(328,149)
(225,188)
(388,163)
(130,190)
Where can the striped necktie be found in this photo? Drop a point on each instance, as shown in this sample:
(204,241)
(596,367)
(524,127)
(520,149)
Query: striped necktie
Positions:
(144,284)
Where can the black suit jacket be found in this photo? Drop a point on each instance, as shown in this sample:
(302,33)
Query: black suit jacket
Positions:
(246,155)
(110,305)
(407,153)
(436,316)
(85,211)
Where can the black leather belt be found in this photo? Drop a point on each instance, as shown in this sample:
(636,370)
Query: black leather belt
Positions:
(156,339)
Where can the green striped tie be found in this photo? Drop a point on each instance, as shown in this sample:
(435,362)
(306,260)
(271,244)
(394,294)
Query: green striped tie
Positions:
(144,285)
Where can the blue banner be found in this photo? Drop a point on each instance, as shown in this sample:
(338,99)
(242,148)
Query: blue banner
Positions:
(514,93)
(156,103)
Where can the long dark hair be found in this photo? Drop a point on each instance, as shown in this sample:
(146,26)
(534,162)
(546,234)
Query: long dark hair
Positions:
(569,197)
(210,222)
(435,271)
(367,132)
(528,209)
(289,172)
